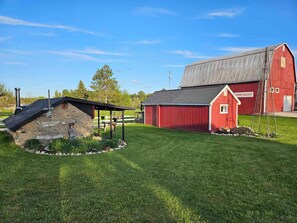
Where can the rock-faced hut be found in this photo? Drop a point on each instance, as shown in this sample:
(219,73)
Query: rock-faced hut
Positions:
(38,121)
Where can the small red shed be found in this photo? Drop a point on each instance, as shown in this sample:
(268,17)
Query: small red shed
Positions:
(206,108)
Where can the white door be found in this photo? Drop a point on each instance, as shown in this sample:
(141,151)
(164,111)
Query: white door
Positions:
(287,103)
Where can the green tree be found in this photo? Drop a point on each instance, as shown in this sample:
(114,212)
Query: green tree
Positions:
(81,91)
(4,91)
(141,95)
(104,85)
(57,94)
(65,93)
(6,97)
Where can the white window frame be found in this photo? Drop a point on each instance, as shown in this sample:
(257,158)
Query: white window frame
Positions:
(271,89)
(283,62)
(277,90)
(225,111)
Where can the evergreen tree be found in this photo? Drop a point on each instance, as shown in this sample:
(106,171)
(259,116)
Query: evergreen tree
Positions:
(57,94)
(81,91)
(104,85)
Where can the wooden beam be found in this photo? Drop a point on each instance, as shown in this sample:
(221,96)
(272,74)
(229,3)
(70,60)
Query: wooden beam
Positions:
(98,121)
(123,125)
(110,124)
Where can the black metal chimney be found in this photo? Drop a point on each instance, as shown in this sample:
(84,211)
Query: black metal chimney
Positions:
(18,107)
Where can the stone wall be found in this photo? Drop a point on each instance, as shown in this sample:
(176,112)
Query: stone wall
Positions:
(45,128)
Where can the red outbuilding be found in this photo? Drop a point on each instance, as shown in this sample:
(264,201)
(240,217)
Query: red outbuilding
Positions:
(206,108)
(263,79)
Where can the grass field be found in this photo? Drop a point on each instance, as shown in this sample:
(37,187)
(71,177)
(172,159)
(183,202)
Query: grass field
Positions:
(161,176)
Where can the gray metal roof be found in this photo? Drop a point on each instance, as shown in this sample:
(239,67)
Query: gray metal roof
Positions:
(186,96)
(40,106)
(236,68)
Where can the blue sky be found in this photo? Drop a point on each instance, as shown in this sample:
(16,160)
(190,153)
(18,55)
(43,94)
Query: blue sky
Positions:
(54,44)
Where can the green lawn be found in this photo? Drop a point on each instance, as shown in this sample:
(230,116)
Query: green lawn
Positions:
(161,176)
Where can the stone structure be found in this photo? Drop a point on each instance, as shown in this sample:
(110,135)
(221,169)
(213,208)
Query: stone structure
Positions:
(45,128)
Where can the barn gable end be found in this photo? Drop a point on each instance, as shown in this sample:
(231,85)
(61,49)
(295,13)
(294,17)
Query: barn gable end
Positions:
(259,92)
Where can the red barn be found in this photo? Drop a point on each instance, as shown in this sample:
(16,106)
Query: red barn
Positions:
(262,78)
(205,108)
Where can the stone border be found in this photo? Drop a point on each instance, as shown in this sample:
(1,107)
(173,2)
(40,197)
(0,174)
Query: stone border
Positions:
(76,154)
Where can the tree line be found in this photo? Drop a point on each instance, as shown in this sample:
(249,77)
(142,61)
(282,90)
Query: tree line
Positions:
(104,88)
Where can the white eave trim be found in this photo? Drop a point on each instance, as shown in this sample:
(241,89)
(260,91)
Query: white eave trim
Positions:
(231,92)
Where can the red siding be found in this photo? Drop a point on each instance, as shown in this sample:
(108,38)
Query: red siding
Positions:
(184,117)
(224,120)
(148,112)
(282,78)
(247,104)
(279,77)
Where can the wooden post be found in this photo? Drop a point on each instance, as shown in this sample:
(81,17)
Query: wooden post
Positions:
(110,124)
(98,121)
(123,125)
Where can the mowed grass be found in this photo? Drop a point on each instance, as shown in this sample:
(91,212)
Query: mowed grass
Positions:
(161,176)
(286,128)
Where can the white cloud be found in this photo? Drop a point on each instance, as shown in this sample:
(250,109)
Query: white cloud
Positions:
(74,54)
(100,52)
(4,38)
(227,13)
(237,49)
(145,42)
(294,51)
(135,81)
(17,22)
(173,65)
(226,35)
(19,52)
(188,54)
(44,34)
(14,63)
(77,55)
(151,11)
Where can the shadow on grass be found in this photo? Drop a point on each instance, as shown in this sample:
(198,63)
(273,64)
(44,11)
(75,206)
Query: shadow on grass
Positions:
(162,176)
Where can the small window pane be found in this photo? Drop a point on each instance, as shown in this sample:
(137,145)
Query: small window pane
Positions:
(223,109)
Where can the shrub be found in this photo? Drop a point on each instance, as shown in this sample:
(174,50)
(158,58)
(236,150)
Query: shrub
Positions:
(57,145)
(111,143)
(33,144)
(75,145)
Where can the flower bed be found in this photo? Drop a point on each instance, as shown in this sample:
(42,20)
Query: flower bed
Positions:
(66,147)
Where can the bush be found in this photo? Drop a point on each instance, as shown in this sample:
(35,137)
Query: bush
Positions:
(33,144)
(111,143)
(75,145)
(57,145)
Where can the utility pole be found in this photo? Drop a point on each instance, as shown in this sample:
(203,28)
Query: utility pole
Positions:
(169,77)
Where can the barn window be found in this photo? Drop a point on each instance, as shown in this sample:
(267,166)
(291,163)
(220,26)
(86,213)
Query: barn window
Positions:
(223,109)
(277,90)
(283,62)
(271,89)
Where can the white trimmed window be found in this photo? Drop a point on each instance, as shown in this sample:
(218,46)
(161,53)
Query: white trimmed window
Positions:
(283,62)
(271,89)
(277,90)
(224,109)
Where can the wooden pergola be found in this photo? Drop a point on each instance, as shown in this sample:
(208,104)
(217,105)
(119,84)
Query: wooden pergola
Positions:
(110,107)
